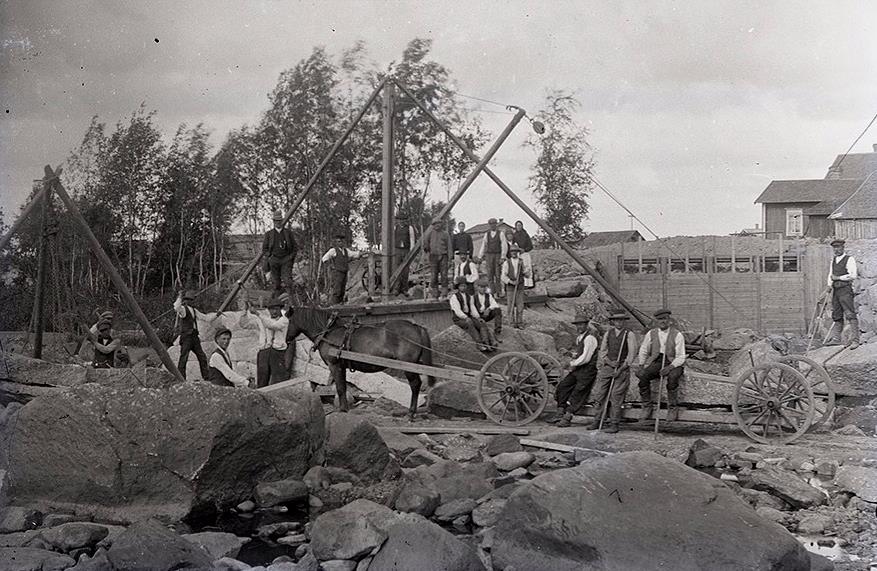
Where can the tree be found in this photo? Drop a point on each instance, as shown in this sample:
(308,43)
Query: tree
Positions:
(561,179)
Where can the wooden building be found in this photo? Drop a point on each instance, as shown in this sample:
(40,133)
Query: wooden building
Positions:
(856,217)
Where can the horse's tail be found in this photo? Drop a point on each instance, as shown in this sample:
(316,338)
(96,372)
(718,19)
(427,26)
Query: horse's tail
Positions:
(426,354)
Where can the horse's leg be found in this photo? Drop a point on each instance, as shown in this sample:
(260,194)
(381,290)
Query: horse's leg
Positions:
(414,382)
(341,387)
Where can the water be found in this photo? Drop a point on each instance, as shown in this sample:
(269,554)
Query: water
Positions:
(827,547)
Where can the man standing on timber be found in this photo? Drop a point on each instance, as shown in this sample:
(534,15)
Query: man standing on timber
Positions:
(338,259)
(493,252)
(190,341)
(222,371)
(466,318)
(662,354)
(514,272)
(469,270)
(403,237)
(438,247)
(278,255)
(618,350)
(271,361)
(487,307)
(840,282)
(573,390)
(462,243)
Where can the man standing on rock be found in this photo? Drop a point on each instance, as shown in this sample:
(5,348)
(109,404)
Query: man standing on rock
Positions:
(190,341)
(840,282)
(271,359)
(222,371)
(617,352)
(493,250)
(462,243)
(438,247)
(661,356)
(573,390)
(466,318)
(487,307)
(514,273)
(278,255)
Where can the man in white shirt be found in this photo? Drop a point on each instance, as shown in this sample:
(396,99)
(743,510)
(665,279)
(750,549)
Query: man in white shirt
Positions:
(466,318)
(222,371)
(271,359)
(487,307)
(468,270)
(662,354)
(514,273)
(190,341)
(337,259)
(573,390)
(840,281)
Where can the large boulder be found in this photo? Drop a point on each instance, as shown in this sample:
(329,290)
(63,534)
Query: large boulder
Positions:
(735,339)
(453,346)
(759,352)
(786,485)
(128,454)
(416,543)
(354,444)
(352,531)
(860,480)
(449,398)
(149,545)
(568,287)
(453,480)
(33,559)
(853,373)
(549,522)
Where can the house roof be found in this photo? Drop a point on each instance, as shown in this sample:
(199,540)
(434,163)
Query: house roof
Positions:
(855,165)
(862,204)
(482,228)
(813,190)
(596,239)
(823,208)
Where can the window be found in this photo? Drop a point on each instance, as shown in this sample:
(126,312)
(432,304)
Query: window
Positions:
(677,265)
(794,222)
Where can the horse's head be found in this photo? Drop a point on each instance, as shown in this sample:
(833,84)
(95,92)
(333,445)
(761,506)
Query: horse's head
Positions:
(305,320)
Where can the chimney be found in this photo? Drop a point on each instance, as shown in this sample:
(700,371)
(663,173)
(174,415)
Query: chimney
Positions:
(874,146)
(833,172)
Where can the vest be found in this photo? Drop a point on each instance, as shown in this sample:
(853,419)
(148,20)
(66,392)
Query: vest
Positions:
(466,268)
(478,303)
(102,360)
(590,366)
(494,244)
(511,273)
(188,323)
(839,268)
(464,306)
(340,262)
(614,348)
(402,238)
(655,349)
(280,243)
(215,376)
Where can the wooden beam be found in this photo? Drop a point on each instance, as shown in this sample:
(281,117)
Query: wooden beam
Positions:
(455,430)
(39,302)
(559,447)
(388,222)
(34,202)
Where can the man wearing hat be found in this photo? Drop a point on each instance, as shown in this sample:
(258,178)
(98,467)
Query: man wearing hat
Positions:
(271,364)
(105,346)
(661,355)
(573,390)
(840,282)
(486,306)
(278,255)
(468,270)
(462,243)
(466,318)
(514,272)
(337,258)
(438,247)
(522,238)
(618,350)
(222,371)
(190,341)
(403,237)
(493,251)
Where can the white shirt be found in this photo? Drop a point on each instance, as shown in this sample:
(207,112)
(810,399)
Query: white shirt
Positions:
(588,349)
(332,252)
(217,362)
(852,269)
(272,331)
(462,312)
(472,276)
(504,244)
(517,265)
(180,308)
(662,343)
(485,301)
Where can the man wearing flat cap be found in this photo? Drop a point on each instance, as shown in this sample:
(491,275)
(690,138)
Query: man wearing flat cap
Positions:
(105,346)
(573,390)
(840,282)
(278,255)
(618,349)
(190,341)
(438,248)
(661,355)
(493,251)
(337,259)
(222,371)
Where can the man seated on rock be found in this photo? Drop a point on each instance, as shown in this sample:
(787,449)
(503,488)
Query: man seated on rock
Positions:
(573,390)
(487,307)
(618,349)
(467,269)
(466,318)
(222,371)
(105,346)
(661,355)
(271,359)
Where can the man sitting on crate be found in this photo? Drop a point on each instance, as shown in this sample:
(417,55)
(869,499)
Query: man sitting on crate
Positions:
(661,355)
(840,280)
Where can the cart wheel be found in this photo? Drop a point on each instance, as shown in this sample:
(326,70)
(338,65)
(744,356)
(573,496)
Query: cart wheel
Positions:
(820,383)
(512,389)
(550,364)
(773,403)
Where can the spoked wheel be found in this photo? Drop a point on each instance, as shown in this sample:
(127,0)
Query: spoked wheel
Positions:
(820,383)
(773,403)
(512,389)
(550,364)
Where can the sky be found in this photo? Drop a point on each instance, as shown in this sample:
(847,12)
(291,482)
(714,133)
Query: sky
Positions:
(692,107)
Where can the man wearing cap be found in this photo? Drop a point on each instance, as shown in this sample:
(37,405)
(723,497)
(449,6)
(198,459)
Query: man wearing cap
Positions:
(840,282)
(514,272)
(271,359)
(222,371)
(105,346)
(468,270)
(462,243)
(278,255)
(573,390)
(337,258)
(618,349)
(466,318)
(403,237)
(522,238)
(190,341)
(487,307)
(662,354)
(493,251)
(438,247)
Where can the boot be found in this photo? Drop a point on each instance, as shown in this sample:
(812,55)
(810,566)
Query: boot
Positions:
(648,405)
(491,339)
(854,333)
(566,421)
(595,424)
(614,420)
(611,427)
(836,332)
(672,405)
(557,417)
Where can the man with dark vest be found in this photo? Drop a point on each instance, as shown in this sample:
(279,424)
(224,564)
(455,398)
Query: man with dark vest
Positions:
(337,258)
(469,270)
(105,346)
(403,237)
(466,318)
(492,252)
(190,341)
(278,255)
(522,238)
(222,371)
(840,281)
(514,273)
(573,390)
(438,247)
(487,307)
(618,349)
(661,355)
(462,244)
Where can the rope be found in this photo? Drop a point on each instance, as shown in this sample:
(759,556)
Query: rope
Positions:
(874,118)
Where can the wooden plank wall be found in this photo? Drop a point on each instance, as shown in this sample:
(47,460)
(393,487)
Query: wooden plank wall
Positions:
(856,229)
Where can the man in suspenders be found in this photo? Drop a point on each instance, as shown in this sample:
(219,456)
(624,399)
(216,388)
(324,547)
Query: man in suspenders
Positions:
(221,370)
(493,251)
(617,352)
(840,280)
(514,273)
(662,354)
(189,339)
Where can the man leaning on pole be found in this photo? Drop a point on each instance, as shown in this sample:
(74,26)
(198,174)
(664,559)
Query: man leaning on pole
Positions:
(840,281)
(618,349)
(661,356)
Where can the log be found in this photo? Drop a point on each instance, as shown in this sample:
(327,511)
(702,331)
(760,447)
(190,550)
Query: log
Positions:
(455,430)
(558,447)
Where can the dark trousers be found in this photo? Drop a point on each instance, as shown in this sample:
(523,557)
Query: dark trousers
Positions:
(648,374)
(494,266)
(472,327)
(339,287)
(494,315)
(438,272)
(192,343)
(619,390)
(573,390)
(401,285)
(281,273)
(515,303)
(843,307)
(271,367)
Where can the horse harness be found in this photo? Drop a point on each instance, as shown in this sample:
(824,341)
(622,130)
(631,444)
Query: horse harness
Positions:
(331,324)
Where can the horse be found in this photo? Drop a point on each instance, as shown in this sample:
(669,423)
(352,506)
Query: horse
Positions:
(397,339)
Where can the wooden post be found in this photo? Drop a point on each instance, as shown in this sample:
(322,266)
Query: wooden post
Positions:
(733,255)
(387,220)
(371,275)
(39,302)
(104,260)
(781,252)
(711,269)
